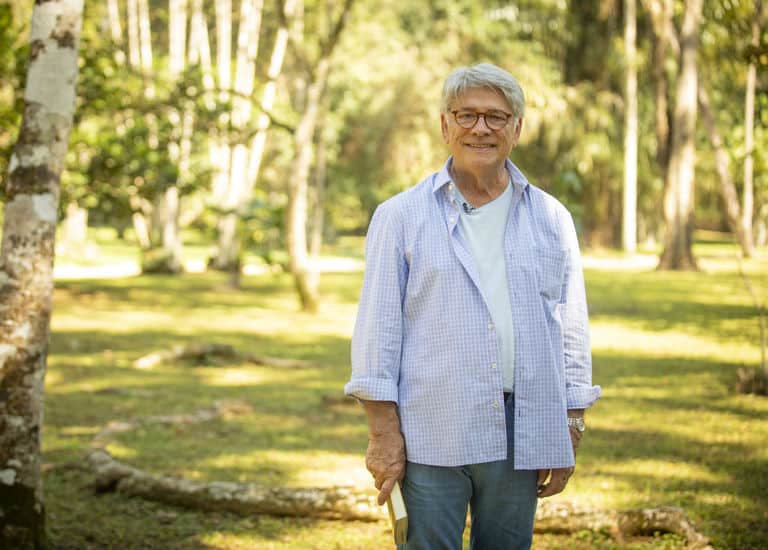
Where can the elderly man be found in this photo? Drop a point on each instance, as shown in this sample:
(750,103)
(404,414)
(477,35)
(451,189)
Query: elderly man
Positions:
(471,348)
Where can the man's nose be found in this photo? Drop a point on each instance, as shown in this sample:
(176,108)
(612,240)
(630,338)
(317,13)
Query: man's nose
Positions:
(481,127)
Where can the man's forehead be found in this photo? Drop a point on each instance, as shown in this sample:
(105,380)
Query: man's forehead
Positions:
(485,96)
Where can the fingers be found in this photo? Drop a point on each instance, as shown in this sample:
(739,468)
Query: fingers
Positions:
(557,482)
(543,475)
(385,490)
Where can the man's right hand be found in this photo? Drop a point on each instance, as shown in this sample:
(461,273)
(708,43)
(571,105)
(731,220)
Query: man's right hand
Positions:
(385,459)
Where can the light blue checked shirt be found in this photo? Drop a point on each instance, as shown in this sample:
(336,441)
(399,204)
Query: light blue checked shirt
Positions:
(424,337)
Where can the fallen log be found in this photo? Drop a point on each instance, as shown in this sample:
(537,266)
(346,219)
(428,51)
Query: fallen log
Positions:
(241,498)
(567,517)
(203,352)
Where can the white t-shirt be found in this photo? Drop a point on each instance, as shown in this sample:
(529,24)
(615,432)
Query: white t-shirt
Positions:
(484,229)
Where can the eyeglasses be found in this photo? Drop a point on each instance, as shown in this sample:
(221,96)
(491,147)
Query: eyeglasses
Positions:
(495,120)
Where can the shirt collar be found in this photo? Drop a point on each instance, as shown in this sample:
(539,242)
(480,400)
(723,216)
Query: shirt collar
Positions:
(443,177)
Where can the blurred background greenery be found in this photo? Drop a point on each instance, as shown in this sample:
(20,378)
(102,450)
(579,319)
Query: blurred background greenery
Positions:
(226,154)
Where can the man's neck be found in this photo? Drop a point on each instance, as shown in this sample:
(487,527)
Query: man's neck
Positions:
(482,188)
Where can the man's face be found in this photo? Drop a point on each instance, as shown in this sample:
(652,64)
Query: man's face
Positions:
(479,148)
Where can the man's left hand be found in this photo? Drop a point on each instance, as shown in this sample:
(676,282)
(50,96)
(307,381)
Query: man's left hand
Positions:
(553,481)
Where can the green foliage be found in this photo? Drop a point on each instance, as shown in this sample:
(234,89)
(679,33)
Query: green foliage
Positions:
(14,53)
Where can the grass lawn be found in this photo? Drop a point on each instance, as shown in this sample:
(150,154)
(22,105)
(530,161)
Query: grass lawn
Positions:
(669,429)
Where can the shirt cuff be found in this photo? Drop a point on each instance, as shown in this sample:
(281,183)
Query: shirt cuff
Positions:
(582,397)
(372,389)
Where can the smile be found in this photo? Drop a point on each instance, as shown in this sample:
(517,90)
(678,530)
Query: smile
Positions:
(480,145)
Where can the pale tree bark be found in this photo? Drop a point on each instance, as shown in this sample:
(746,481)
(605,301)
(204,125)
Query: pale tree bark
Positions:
(164,254)
(134,51)
(221,150)
(75,227)
(305,274)
(749,134)
(200,47)
(241,183)
(26,265)
(268,95)
(723,166)
(629,225)
(679,185)
(318,198)
(116,29)
(227,255)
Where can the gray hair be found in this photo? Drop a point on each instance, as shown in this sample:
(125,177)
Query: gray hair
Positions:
(483,75)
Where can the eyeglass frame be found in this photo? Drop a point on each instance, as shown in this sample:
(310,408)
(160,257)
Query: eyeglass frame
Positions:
(510,116)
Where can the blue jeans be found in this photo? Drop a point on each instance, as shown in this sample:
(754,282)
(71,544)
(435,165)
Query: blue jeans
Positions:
(502,503)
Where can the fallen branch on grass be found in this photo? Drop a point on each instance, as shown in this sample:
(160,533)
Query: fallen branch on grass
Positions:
(240,498)
(344,503)
(204,352)
(565,517)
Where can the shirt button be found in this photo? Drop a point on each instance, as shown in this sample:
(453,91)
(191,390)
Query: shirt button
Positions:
(495,404)
(493,365)
(490,326)
(451,220)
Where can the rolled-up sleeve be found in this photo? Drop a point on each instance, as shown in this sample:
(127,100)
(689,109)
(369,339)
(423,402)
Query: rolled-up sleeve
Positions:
(580,393)
(377,337)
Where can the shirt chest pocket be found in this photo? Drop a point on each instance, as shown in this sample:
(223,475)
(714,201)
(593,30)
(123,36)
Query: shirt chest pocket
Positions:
(550,268)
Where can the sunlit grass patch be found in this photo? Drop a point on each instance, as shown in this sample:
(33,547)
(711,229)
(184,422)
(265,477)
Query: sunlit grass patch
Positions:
(669,430)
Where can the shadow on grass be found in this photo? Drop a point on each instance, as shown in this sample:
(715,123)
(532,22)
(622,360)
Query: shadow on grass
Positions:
(717,307)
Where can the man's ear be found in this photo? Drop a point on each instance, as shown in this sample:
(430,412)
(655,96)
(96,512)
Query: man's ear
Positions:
(518,129)
(444,127)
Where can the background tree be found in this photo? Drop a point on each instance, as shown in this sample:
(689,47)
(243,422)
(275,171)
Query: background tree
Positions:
(629,218)
(26,265)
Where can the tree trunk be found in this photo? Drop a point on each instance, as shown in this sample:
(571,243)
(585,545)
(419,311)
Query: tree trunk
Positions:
(75,230)
(679,185)
(296,235)
(749,134)
(116,30)
(134,51)
(268,96)
(722,164)
(661,24)
(26,265)
(227,257)
(629,225)
(318,200)
(304,272)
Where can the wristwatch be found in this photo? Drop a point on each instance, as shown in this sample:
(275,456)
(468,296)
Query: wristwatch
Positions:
(578,423)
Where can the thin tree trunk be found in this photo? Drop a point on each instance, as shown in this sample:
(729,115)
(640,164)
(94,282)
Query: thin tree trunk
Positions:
(661,23)
(749,134)
(220,151)
(268,95)
(305,277)
(145,42)
(227,255)
(75,230)
(26,265)
(318,200)
(722,164)
(116,30)
(679,185)
(134,50)
(200,48)
(629,225)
